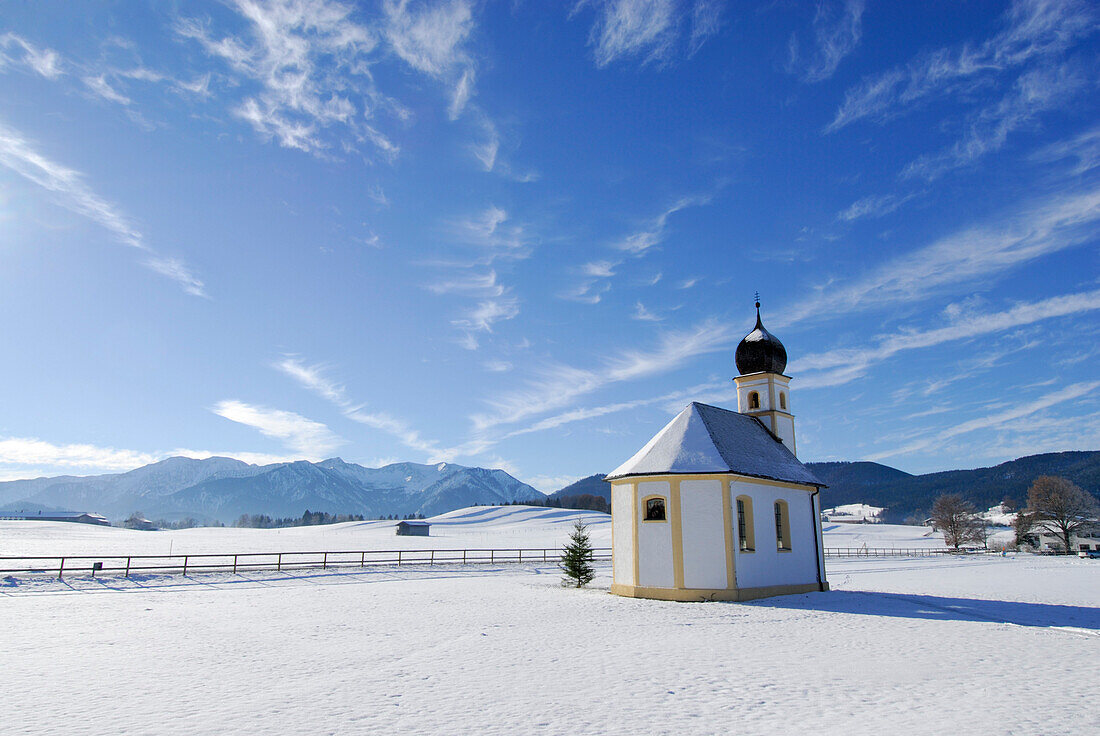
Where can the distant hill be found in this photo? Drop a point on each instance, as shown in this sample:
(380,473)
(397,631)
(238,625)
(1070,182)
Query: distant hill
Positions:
(857,474)
(593,485)
(223,488)
(904,495)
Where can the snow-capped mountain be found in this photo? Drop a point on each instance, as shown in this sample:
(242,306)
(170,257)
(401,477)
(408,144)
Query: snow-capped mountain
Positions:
(222,488)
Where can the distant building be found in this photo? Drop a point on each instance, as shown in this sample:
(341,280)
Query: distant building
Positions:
(716,506)
(413,528)
(79,517)
(140,523)
(1085,539)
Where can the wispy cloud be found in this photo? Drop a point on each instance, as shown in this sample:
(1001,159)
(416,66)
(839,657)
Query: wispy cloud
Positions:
(561,385)
(643,314)
(1085,148)
(633,28)
(70,191)
(314,378)
(873,206)
(649,30)
(489,237)
(706,21)
(486,313)
(589,291)
(988,129)
(837,29)
(600,269)
(35,452)
(1032,30)
(305,56)
(653,233)
(311,439)
(100,87)
(1050,225)
(42,61)
(944,435)
(837,367)
(429,36)
(494,235)
(30,457)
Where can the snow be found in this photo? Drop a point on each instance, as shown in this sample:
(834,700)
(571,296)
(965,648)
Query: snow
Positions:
(853,512)
(906,645)
(999,516)
(480,527)
(929,645)
(484,527)
(707,439)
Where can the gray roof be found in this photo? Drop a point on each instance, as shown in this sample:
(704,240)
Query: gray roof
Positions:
(706,439)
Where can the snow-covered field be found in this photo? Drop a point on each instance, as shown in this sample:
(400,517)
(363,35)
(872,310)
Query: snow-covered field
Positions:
(490,527)
(981,644)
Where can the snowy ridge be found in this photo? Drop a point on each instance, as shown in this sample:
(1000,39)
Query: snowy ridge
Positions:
(223,489)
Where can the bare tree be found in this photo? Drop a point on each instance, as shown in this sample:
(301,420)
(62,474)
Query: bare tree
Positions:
(1060,506)
(1023,525)
(957,519)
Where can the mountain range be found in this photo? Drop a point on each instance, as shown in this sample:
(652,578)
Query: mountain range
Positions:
(221,488)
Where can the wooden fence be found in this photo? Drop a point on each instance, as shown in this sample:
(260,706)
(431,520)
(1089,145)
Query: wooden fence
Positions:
(891,552)
(278,561)
(286,561)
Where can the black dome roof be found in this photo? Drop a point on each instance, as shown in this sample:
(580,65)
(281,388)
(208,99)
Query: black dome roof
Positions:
(760,351)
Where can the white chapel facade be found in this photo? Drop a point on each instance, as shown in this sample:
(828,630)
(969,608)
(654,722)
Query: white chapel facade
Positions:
(717,506)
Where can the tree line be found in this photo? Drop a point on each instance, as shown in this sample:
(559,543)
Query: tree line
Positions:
(579,502)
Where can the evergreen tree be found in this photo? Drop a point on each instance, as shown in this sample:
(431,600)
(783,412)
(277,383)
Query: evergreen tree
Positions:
(576,558)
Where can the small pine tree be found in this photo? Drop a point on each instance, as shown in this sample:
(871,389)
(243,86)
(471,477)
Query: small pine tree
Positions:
(576,558)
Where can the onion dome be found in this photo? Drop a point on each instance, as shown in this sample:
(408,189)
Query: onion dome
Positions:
(760,351)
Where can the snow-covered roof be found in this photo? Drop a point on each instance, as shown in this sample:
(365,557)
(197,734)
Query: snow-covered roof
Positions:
(706,439)
(412,522)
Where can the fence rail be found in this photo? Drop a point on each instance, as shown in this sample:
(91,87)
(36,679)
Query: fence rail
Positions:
(890,552)
(280,561)
(126,565)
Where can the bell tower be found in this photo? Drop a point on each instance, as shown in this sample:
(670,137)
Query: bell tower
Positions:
(762,389)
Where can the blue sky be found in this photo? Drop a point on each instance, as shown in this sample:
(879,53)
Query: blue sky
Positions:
(524,235)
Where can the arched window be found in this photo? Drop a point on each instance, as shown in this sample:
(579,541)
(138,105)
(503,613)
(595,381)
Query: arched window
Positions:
(655,509)
(754,400)
(746,539)
(783,401)
(782,527)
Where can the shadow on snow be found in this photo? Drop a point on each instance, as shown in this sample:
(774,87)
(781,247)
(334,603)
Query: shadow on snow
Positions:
(938,608)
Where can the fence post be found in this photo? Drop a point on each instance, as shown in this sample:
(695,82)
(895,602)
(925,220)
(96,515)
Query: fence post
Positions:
(324,562)
(520,555)
(185,565)
(362,559)
(544,555)
(127,567)
(399,558)
(234,564)
(61,569)
(492,555)
(431,560)
(463,557)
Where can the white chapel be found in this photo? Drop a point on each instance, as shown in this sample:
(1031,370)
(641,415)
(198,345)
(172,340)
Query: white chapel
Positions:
(717,506)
